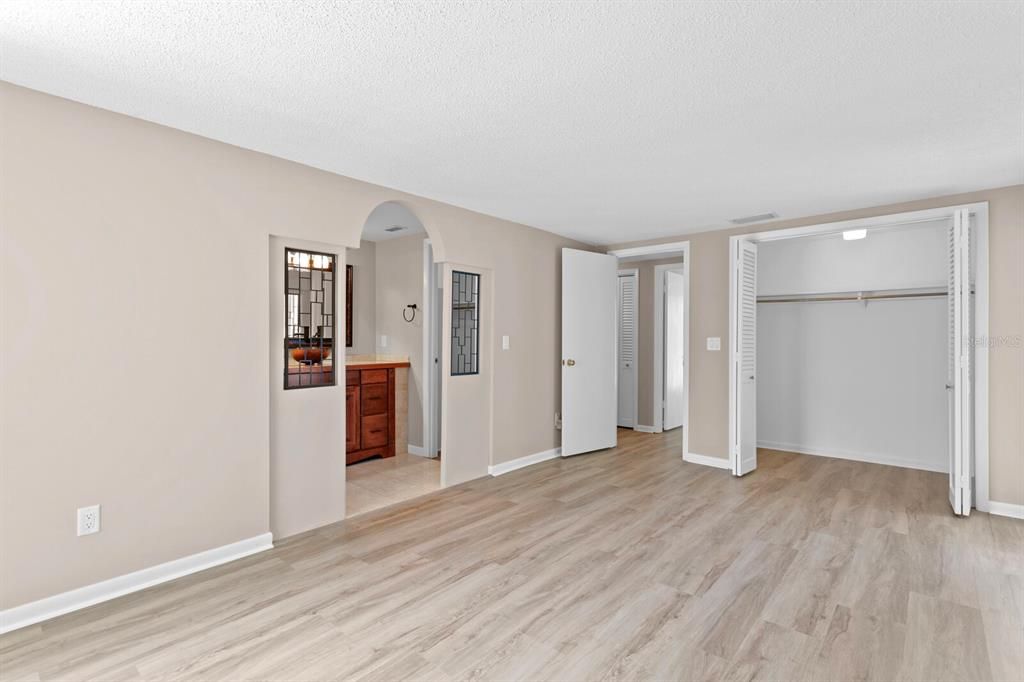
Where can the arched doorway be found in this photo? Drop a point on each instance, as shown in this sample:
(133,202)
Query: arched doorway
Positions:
(391,359)
(308,434)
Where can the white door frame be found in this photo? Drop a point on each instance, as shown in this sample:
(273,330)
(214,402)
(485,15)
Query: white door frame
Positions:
(979,211)
(659,342)
(635,274)
(682,247)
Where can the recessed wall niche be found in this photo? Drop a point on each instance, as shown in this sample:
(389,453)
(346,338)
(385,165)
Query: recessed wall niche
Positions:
(309,319)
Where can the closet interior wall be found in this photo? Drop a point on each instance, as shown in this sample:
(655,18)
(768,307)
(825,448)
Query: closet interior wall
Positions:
(858,379)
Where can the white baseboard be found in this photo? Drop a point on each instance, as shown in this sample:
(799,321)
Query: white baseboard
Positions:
(643,428)
(416,450)
(1014,511)
(512,465)
(73,600)
(869,457)
(706,460)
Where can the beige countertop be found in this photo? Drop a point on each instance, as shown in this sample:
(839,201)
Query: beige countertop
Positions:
(357,361)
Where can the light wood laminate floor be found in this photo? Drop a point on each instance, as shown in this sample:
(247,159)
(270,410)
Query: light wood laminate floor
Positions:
(376,483)
(624,564)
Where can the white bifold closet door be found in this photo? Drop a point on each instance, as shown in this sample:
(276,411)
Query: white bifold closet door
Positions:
(627,350)
(959,379)
(589,367)
(743,416)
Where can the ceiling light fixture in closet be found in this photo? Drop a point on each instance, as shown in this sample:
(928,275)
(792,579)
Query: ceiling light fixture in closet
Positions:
(850,235)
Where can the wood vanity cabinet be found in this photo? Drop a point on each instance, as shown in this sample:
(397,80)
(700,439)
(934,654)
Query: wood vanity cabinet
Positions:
(369,413)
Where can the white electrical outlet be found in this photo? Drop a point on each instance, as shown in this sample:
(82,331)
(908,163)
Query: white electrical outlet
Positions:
(89,520)
(504,343)
(383,341)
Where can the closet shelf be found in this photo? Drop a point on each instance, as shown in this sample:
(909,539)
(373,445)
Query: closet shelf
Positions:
(876,295)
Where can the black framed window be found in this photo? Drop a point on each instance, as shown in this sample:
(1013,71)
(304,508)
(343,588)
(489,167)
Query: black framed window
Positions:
(465,323)
(309,289)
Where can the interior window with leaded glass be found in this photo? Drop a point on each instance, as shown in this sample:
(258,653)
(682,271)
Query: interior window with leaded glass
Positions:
(465,323)
(309,319)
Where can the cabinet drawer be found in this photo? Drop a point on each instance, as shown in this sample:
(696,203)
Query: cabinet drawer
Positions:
(375,431)
(374,376)
(352,377)
(374,399)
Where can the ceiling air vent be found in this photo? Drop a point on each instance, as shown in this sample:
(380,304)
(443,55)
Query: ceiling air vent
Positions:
(394,228)
(754,218)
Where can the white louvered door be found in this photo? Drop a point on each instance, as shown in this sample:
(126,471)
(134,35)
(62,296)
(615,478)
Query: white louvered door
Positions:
(959,380)
(627,349)
(744,327)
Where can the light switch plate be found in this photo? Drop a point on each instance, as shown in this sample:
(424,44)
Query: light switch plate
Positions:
(714,343)
(504,343)
(383,340)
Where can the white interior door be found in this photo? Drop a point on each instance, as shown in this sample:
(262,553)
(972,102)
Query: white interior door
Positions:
(743,370)
(958,382)
(627,349)
(675,349)
(589,366)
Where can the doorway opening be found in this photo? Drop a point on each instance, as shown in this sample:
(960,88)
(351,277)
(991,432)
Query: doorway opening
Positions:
(653,374)
(433,343)
(854,340)
(391,415)
(622,312)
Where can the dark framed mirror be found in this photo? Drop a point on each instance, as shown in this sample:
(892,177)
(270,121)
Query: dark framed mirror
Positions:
(349,277)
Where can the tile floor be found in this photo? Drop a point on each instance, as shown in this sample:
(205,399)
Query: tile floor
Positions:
(376,483)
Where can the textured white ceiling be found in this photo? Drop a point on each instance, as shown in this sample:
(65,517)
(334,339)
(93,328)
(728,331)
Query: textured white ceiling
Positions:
(604,121)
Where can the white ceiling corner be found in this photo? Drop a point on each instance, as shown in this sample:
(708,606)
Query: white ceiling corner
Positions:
(606,122)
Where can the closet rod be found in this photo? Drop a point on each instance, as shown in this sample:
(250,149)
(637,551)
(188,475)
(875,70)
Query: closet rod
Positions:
(894,294)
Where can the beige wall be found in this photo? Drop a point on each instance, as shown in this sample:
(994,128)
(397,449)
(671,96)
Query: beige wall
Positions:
(306,434)
(120,388)
(467,398)
(399,283)
(709,305)
(364,296)
(645,335)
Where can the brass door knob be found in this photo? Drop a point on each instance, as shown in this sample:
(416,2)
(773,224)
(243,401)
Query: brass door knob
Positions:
(570,362)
